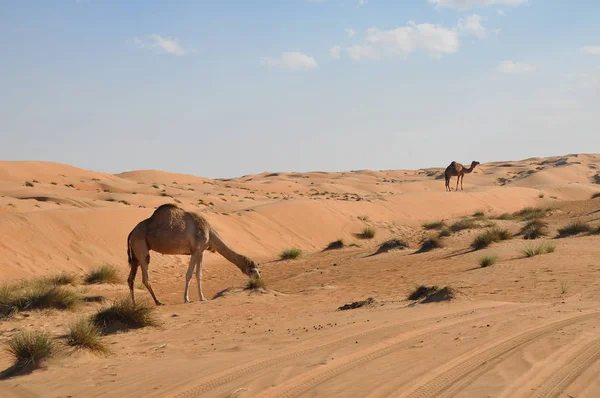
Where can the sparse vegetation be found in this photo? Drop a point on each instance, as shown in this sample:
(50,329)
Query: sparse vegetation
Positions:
(534,229)
(336,244)
(363,218)
(564,287)
(28,184)
(574,228)
(290,254)
(541,196)
(490,236)
(430,243)
(486,261)
(479,214)
(255,283)
(124,314)
(124,202)
(84,334)
(444,232)
(530,213)
(435,225)
(33,295)
(103,274)
(541,248)
(367,233)
(391,245)
(30,348)
(596,195)
(422,291)
(465,223)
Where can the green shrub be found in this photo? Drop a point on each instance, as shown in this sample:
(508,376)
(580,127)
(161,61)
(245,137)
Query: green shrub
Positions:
(30,348)
(124,314)
(534,229)
(255,283)
(336,244)
(102,274)
(84,334)
(290,254)
(574,228)
(542,248)
(486,261)
(367,233)
(434,225)
(490,236)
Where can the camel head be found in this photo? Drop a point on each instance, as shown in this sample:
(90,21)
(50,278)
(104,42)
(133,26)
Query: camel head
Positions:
(474,163)
(252,269)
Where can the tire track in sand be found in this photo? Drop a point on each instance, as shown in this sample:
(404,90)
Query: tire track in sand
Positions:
(232,375)
(453,380)
(311,379)
(569,372)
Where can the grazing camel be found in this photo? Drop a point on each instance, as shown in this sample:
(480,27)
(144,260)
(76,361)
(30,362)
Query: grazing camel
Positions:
(458,170)
(172,230)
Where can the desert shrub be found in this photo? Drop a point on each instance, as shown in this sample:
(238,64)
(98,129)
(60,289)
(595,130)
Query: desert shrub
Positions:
(434,225)
(490,236)
(536,250)
(478,214)
(541,196)
(534,229)
(336,244)
(41,296)
(392,244)
(30,348)
(255,283)
(84,334)
(28,184)
(102,274)
(124,202)
(61,279)
(430,243)
(574,228)
(530,213)
(596,195)
(444,232)
(422,291)
(290,254)
(363,218)
(486,261)
(367,233)
(465,223)
(123,313)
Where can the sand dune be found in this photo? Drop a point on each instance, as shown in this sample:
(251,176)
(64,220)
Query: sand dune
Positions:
(522,327)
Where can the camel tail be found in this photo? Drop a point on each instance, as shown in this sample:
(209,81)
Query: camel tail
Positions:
(131,258)
(215,242)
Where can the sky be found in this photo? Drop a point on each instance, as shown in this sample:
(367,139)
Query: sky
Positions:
(224,88)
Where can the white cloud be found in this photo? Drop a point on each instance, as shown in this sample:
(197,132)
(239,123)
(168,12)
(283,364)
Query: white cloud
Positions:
(467,4)
(515,67)
(405,40)
(359,52)
(167,45)
(335,52)
(501,13)
(591,50)
(472,24)
(292,60)
(350,32)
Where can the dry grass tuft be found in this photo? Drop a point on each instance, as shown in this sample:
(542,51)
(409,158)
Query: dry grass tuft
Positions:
(30,349)
(103,274)
(422,291)
(434,225)
(486,261)
(367,233)
(430,243)
(490,236)
(124,314)
(255,284)
(336,244)
(574,228)
(534,229)
(290,254)
(84,334)
(536,250)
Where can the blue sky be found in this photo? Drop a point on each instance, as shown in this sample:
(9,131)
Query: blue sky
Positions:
(223,88)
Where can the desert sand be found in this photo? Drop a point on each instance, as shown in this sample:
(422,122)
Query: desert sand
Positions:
(523,327)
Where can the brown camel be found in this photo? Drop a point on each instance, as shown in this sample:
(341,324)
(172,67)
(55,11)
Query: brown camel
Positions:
(172,230)
(458,170)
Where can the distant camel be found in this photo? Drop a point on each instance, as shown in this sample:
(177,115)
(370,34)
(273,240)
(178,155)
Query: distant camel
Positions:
(458,170)
(172,230)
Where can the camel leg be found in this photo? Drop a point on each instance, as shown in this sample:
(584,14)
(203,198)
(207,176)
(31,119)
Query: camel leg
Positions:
(131,279)
(457,180)
(145,280)
(199,276)
(188,276)
(461,182)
